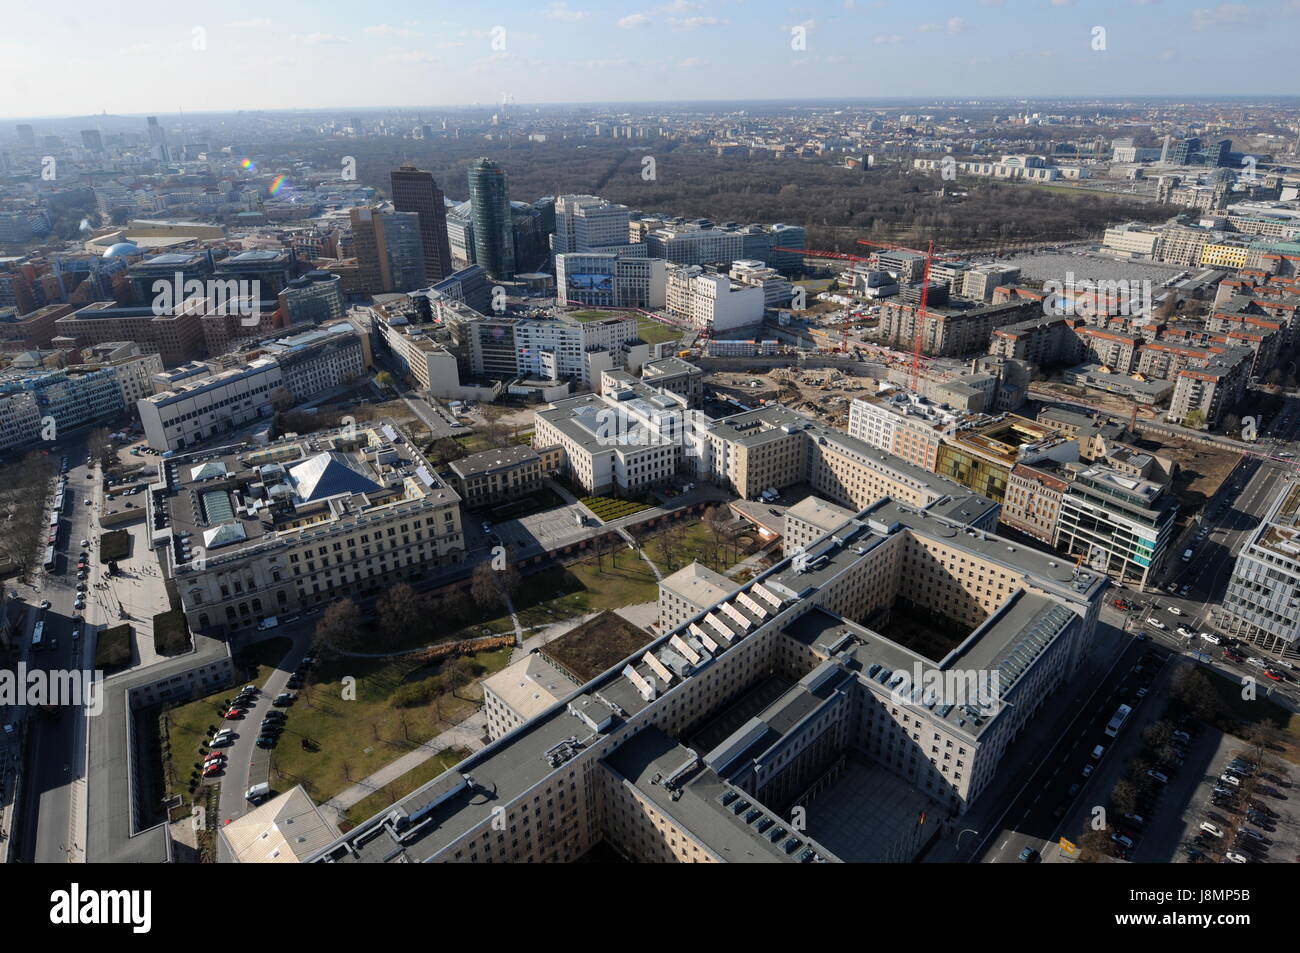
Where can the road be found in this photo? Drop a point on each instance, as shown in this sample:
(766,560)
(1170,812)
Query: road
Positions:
(55,753)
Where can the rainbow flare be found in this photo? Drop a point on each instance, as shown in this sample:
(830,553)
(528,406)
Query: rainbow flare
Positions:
(247,164)
(276,183)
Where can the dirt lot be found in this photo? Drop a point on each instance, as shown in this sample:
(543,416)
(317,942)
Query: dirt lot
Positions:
(1201,469)
(823,392)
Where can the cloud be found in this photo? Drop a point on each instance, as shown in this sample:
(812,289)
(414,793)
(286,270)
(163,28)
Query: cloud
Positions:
(383,29)
(561,11)
(316,39)
(890,38)
(408,57)
(952,27)
(692,61)
(1225,14)
(633,20)
(692,23)
(256,23)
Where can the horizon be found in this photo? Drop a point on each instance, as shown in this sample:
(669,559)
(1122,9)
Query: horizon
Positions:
(246,61)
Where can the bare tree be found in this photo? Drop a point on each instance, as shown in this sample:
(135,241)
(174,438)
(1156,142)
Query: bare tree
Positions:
(484,588)
(458,673)
(339,627)
(401,611)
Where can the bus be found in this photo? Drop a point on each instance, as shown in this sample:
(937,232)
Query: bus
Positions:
(50,557)
(1116,723)
(38,635)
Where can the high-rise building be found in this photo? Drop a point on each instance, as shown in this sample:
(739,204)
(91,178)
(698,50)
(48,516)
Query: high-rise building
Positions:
(26,135)
(414,190)
(92,140)
(389,252)
(1263,594)
(489,196)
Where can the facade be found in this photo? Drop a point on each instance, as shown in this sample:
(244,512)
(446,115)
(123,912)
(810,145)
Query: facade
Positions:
(1212,390)
(713,302)
(176,336)
(981,453)
(496,476)
(415,191)
(674,375)
(42,406)
(300,522)
(777,290)
(210,406)
(389,249)
(1120,524)
(690,591)
(609,280)
(494,243)
(316,361)
(314,298)
(809,520)
(907,425)
(1263,594)
(952,331)
(588,223)
(1033,499)
(608,760)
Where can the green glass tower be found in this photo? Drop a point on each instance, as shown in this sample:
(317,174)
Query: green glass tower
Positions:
(489,197)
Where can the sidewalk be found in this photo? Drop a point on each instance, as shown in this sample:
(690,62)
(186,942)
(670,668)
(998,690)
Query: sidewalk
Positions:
(467,734)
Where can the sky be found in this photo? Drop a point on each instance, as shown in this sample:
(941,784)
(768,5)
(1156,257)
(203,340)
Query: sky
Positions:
(148,56)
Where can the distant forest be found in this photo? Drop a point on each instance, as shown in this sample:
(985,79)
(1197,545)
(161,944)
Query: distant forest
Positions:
(836,205)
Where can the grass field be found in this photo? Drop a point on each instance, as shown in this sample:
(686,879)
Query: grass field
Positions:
(656,332)
(357,731)
(401,786)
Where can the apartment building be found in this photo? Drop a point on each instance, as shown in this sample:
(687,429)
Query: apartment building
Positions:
(713,302)
(297,523)
(496,476)
(636,758)
(907,425)
(1122,525)
(134,371)
(1212,390)
(1262,603)
(777,289)
(951,331)
(39,407)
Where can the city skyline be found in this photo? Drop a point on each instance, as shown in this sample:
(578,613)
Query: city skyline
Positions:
(404,57)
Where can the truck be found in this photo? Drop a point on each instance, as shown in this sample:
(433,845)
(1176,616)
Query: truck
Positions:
(270,622)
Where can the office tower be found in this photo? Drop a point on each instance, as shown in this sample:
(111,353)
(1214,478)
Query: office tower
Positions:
(1264,588)
(26,135)
(92,140)
(586,223)
(489,196)
(390,256)
(414,190)
(158,139)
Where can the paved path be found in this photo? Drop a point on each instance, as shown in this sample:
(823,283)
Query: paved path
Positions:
(467,734)
(622,531)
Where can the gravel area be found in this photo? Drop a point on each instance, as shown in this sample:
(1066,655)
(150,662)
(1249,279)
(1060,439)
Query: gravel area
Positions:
(1093,267)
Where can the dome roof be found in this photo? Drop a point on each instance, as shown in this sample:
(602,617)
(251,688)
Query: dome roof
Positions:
(121,250)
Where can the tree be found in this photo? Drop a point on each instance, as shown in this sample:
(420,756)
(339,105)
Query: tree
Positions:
(1194,420)
(459,673)
(339,627)
(401,611)
(282,399)
(484,588)
(98,444)
(385,379)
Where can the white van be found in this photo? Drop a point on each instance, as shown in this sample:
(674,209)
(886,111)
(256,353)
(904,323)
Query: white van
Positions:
(257,792)
(1098,751)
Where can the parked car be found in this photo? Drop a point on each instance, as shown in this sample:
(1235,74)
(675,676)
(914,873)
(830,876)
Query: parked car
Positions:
(1211,638)
(1229,779)
(222,742)
(1174,610)
(266,741)
(284,699)
(1028,855)
(1211,829)
(1233,857)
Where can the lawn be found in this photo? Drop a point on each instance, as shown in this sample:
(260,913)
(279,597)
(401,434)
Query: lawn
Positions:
(357,731)
(656,332)
(401,786)
(114,545)
(186,726)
